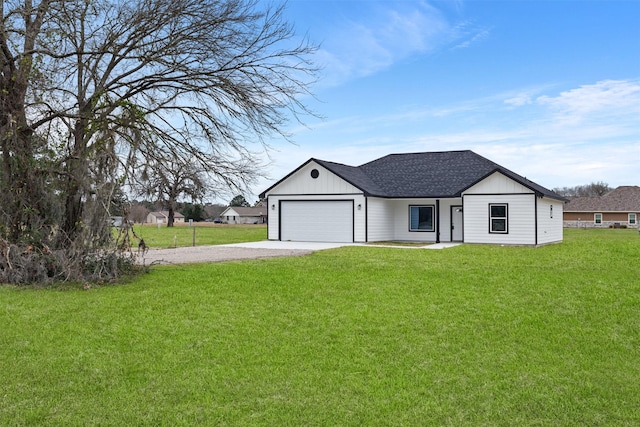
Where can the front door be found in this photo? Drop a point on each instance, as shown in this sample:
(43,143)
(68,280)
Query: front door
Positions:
(456,224)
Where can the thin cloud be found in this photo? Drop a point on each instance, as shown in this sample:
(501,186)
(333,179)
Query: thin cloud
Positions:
(588,102)
(384,35)
(472,36)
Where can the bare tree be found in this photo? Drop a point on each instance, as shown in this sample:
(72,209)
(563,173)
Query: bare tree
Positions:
(138,213)
(167,180)
(91,90)
(213,211)
(595,189)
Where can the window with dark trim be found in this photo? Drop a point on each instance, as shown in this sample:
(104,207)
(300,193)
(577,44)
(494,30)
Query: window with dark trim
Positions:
(421,218)
(597,218)
(498,218)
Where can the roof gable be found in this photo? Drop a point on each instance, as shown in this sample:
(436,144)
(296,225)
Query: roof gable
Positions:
(497,182)
(332,175)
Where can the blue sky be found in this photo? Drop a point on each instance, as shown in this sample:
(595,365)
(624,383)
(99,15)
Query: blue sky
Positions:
(548,89)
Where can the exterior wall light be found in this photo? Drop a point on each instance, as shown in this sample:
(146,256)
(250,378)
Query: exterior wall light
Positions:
(273,207)
(359,206)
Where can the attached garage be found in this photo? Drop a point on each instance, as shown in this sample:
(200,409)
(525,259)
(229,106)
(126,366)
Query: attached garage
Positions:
(427,197)
(316,220)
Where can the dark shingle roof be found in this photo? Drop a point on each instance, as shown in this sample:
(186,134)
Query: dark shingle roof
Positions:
(424,175)
(431,174)
(622,199)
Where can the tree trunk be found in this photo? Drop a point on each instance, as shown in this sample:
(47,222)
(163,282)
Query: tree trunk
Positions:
(170,217)
(19,191)
(76,171)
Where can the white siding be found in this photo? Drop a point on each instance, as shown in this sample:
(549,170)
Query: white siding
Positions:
(549,229)
(389,220)
(381,219)
(498,183)
(401,221)
(521,219)
(301,182)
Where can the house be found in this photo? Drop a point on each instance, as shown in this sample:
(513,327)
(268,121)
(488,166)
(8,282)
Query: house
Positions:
(163,216)
(243,215)
(452,196)
(619,207)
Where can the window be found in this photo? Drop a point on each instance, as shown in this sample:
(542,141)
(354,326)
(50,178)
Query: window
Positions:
(421,218)
(498,218)
(597,218)
(632,219)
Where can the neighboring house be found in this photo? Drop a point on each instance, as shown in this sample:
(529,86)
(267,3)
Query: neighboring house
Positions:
(619,207)
(242,215)
(213,211)
(456,196)
(163,217)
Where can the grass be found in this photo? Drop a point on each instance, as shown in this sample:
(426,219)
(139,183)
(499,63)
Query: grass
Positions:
(472,335)
(205,234)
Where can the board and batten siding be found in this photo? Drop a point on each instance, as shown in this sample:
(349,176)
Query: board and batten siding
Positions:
(301,182)
(498,183)
(550,227)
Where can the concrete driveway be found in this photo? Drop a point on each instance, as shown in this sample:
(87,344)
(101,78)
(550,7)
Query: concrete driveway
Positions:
(251,250)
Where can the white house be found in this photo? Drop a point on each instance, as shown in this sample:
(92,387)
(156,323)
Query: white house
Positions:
(244,215)
(454,196)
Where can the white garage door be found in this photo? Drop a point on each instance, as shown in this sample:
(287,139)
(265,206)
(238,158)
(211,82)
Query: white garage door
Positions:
(316,221)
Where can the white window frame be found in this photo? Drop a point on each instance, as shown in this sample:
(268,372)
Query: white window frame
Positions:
(433,218)
(633,221)
(504,218)
(597,221)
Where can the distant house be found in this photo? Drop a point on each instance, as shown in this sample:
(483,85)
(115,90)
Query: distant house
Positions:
(451,196)
(163,217)
(619,207)
(242,215)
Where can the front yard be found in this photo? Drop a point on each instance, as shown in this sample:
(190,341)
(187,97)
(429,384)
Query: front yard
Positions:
(472,335)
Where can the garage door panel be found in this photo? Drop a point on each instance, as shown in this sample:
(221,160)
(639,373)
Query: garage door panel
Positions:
(317,221)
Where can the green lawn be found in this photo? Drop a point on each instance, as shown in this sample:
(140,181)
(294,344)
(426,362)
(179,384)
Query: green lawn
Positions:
(359,336)
(205,234)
